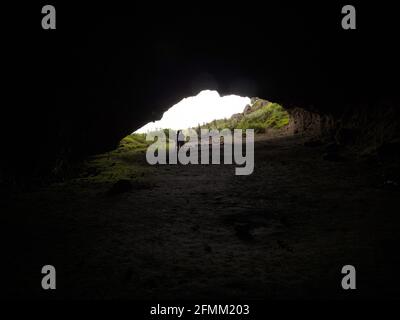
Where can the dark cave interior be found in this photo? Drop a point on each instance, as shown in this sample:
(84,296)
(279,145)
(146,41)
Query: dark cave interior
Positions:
(109,69)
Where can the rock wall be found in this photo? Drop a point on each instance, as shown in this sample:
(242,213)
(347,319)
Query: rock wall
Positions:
(363,129)
(103,73)
(309,123)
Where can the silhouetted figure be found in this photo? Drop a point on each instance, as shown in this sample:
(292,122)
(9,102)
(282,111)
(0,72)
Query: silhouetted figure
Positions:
(180,139)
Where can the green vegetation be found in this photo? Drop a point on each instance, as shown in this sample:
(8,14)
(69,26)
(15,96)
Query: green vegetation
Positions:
(135,141)
(128,161)
(265,115)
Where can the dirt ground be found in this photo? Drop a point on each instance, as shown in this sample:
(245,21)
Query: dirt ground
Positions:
(199,231)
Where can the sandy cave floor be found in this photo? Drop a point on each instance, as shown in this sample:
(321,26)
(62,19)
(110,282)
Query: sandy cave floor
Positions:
(199,231)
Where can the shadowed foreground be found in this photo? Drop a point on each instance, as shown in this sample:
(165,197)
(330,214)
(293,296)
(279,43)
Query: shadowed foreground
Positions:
(200,231)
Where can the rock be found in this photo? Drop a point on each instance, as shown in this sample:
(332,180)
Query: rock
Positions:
(237,116)
(308,123)
(247,109)
(253,100)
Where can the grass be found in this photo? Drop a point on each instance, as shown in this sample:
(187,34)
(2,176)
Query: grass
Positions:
(128,161)
(271,115)
(135,141)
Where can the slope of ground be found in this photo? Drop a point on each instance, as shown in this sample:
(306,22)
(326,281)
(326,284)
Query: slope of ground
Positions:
(174,231)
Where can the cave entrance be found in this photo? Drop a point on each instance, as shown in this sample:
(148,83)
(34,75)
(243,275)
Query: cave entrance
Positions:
(199,110)
(210,110)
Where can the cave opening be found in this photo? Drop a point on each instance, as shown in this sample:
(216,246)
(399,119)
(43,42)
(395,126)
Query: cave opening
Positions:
(323,193)
(205,107)
(208,110)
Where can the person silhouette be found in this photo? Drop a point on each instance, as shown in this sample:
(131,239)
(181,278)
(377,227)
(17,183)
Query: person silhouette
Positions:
(180,139)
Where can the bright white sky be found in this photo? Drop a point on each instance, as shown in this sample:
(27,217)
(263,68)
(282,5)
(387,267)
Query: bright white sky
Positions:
(205,107)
